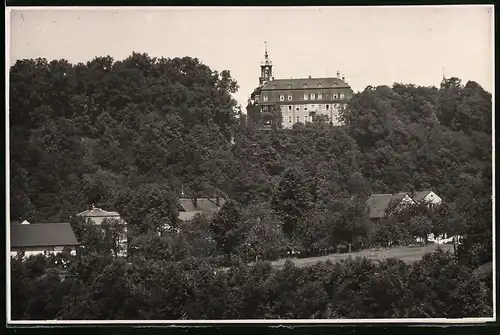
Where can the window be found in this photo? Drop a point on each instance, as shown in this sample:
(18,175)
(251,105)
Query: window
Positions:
(335,96)
(313,106)
(342,95)
(264,108)
(305,108)
(327,107)
(289,97)
(289,85)
(305,96)
(282,97)
(289,108)
(320,107)
(297,108)
(265,97)
(319,85)
(320,96)
(305,118)
(298,118)
(274,86)
(289,119)
(313,96)
(305,85)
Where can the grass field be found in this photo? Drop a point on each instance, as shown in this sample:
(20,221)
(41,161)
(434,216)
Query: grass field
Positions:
(406,254)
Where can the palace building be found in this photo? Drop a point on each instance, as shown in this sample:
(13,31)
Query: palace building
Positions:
(299,100)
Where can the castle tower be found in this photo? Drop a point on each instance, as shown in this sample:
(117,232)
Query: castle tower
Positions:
(266,69)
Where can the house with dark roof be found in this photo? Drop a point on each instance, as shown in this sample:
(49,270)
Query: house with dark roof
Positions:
(382,205)
(298,99)
(41,238)
(190,207)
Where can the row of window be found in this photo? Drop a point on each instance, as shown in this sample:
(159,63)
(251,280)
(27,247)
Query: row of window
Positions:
(319,85)
(307,96)
(306,118)
(320,107)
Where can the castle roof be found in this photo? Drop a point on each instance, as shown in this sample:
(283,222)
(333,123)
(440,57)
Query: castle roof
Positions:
(311,83)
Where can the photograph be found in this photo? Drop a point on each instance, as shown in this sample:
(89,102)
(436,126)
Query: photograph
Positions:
(250,165)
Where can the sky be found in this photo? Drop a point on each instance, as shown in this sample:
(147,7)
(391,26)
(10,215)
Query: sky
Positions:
(368,45)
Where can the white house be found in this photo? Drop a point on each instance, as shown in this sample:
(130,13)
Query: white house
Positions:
(41,238)
(427,197)
(97,216)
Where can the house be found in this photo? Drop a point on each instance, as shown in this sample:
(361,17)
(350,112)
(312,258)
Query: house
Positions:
(428,197)
(97,216)
(190,207)
(380,205)
(41,238)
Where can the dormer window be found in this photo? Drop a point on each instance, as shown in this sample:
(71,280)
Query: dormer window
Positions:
(335,96)
(320,96)
(289,85)
(319,85)
(305,85)
(273,86)
(265,97)
(306,96)
(313,96)
(342,95)
(289,97)
(282,97)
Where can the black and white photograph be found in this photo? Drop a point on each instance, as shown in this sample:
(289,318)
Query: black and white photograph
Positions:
(182,165)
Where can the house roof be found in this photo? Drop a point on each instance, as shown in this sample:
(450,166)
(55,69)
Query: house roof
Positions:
(419,196)
(283,84)
(97,212)
(203,204)
(377,205)
(42,235)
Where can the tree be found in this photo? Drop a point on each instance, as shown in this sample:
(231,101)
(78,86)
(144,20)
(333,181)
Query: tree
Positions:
(290,200)
(226,228)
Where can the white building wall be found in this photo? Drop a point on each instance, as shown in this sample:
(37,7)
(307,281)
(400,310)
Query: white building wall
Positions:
(433,198)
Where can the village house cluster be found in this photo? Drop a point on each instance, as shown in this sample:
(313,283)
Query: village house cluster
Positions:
(29,239)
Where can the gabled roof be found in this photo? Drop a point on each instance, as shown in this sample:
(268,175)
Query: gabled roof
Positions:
(42,235)
(312,83)
(379,203)
(419,196)
(97,212)
(202,204)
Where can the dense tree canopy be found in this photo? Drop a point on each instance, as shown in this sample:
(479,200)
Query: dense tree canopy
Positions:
(130,135)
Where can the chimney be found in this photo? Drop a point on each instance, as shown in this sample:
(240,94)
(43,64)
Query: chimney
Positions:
(343,78)
(309,76)
(338,74)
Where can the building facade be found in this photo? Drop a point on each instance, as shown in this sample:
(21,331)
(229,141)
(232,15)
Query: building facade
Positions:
(41,239)
(281,103)
(96,216)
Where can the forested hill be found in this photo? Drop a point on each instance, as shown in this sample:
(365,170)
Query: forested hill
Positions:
(128,135)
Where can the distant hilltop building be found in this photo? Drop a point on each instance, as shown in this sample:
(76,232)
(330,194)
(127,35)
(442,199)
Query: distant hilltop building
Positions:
(299,100)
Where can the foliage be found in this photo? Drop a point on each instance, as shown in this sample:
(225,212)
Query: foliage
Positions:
(130,135)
